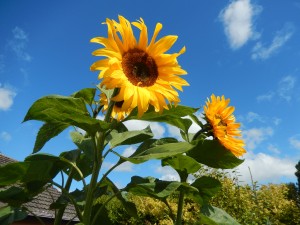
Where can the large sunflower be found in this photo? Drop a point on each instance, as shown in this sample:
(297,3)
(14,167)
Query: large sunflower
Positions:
(144,73)
(224,127)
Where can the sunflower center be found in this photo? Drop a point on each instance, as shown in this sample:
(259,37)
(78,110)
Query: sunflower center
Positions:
(221,123)
(119,104)
(139,68)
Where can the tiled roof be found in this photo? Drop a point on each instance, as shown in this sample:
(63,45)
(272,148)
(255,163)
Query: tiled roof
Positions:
(39,206)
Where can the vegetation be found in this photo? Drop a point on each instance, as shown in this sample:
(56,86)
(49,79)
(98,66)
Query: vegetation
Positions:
(248,204)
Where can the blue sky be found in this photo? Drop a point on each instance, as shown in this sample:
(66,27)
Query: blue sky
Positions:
(247,50)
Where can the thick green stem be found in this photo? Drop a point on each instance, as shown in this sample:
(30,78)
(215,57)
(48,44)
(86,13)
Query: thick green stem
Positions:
(183,178)
(95,173)
(98,140)
(180,208)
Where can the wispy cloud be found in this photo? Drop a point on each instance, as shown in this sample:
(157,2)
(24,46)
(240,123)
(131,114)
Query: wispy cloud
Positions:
(7,95)
(237,18)
(286,86)
(254,136)
(18,44)
(285,90)
(295,141)
(266,168)
(5,136)
(261,51)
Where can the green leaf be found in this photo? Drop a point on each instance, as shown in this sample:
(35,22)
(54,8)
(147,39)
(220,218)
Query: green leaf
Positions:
(14,196)
(218,216)
(47,132)
(207,187)
(152,187)
(87,94)
(213,154)
(149,150)
(182,163)
(129,137)
(10,214)
(65,110)
(172,116)
(12,173)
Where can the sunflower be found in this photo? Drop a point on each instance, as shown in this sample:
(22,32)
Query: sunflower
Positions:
(224,127)
(117,111)
(144,73)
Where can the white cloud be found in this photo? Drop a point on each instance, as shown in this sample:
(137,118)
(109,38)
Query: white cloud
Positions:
(167,173)
(273,149)
(124,167)
(252,116)
(266,168)
(254,136)
(18,44)
(261,51)
(157,129)
(266,97)
(295,141)
(7,95)
(237,18)
(286,86)
(5,136)
(284,91)
(128,151)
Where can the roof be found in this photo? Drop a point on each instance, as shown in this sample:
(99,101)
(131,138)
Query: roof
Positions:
(40,205)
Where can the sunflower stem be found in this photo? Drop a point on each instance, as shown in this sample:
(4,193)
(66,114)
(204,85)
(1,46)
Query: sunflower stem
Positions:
(183,178)
(98,142)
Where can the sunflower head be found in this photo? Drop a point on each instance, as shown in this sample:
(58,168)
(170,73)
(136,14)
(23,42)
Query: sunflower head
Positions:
(141,69)
(223,125)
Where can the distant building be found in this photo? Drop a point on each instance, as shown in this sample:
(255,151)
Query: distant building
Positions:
(39,206)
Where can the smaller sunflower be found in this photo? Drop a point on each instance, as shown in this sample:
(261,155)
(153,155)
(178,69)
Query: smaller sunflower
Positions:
(117,112)
(224,127)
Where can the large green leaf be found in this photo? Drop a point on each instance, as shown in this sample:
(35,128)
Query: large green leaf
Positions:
(12,173)
(213,154)
(47,132)
(152,187)
(172,116)
(87,94)
(14,196)
(182,163)
(9,214)
(151,150)
(207,187)
(57,109)
(129,137)
(218,216)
